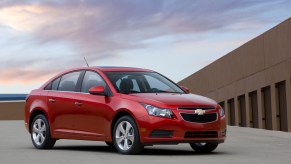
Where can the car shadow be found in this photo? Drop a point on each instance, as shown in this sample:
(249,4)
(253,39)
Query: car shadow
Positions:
(169,152)
(147,151)
(86,148)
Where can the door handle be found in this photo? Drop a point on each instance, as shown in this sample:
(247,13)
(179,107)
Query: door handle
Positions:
(78,103)
(52,100)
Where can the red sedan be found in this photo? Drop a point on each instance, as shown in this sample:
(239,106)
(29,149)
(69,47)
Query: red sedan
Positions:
(128,108)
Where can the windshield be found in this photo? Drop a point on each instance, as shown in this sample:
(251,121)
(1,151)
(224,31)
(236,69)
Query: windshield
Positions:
(142,82)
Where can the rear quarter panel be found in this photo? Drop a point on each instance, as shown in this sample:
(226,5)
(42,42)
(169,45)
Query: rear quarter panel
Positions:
(36,100)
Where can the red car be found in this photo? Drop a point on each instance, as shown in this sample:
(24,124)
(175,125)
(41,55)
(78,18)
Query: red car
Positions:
(128,108)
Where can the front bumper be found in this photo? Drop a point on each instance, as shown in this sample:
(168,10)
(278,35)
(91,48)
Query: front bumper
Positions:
(176,130)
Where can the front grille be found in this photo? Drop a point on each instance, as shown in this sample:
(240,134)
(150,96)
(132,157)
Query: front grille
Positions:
(197,107)
(199,118)
(201,134)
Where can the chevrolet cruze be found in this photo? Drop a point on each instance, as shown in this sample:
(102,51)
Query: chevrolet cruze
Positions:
(128,108)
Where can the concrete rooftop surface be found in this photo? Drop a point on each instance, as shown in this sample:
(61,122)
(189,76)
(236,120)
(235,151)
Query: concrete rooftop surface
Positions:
(243,145)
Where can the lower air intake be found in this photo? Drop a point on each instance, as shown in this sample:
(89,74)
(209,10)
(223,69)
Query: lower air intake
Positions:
(201,134)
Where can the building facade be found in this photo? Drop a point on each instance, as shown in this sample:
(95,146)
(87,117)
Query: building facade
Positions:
(253,82)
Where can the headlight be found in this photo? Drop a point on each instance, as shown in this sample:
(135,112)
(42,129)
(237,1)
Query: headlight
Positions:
(221,112)
(155,111)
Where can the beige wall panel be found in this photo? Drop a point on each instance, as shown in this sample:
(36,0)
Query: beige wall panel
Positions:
(260,79)
(278,72)
(10,110)
(288,97)
(255,81)
(277,43)
(253,56)
(239,87)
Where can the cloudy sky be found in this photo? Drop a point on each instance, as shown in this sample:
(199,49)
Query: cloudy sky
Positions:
(174,37)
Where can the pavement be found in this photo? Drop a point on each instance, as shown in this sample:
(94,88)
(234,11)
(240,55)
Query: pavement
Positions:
(243,145)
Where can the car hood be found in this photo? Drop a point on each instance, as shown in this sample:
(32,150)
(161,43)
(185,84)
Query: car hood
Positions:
(173,99)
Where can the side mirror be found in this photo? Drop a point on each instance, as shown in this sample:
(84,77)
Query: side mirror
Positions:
(97,90)
(185,89)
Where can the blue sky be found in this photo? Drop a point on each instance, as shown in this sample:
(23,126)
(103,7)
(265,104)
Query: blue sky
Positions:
(174,37)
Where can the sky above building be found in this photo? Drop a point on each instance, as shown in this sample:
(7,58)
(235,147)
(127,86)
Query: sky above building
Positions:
(38,39)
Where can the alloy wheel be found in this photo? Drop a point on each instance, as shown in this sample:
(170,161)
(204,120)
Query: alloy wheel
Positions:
(38,131)
(124,135)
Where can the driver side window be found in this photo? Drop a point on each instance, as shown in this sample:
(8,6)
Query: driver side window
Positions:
(90,80)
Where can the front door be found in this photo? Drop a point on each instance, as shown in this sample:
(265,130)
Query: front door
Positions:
(93,113)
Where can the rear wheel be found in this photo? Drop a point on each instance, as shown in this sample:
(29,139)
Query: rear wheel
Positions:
(203,147)
(40,133)
(126,136)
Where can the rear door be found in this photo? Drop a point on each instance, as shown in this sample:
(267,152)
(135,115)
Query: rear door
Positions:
(61,103)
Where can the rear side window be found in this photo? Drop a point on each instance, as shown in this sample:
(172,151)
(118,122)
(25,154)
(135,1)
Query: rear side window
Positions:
(91,79)
(55,84)
(48,87)
(69,81)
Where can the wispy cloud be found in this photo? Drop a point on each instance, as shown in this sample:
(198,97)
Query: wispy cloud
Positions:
(106,29)
(102,26)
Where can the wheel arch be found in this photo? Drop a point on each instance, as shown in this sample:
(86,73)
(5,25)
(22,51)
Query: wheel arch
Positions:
(33,114)
(119,114)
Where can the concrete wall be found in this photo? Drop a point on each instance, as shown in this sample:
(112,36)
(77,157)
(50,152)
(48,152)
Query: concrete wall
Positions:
(11,110)
(258,65)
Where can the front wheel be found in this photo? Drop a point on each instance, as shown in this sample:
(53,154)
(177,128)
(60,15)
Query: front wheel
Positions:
(40,133)
(126,136)
(203,147)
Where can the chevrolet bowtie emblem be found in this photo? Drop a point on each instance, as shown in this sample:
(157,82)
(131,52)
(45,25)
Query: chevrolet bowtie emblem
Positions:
(199,111)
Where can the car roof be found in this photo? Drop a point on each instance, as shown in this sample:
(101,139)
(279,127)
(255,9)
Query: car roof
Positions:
(121,69)
(102,69)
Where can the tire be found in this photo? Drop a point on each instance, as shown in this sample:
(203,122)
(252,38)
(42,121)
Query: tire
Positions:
(126,136)
(203,147)
(40,133)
